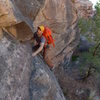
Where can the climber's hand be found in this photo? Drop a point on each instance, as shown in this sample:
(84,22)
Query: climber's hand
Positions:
(33,54)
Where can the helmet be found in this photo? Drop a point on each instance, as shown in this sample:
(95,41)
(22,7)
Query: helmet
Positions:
(41,28)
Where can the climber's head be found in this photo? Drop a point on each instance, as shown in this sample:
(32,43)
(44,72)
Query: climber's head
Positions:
(40,30)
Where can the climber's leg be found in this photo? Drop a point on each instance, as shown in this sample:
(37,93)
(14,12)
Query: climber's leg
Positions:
(47,57)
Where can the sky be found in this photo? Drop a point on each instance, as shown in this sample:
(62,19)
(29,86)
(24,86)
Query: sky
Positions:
(94,2)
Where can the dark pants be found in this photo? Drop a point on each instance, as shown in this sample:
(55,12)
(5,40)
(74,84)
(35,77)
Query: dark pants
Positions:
(34,48)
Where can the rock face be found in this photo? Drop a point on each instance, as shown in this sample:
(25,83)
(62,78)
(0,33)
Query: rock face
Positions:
(43,85)
(16,80)
(84,44)
(18,17)
(15,70)
(60,15)
(84,8)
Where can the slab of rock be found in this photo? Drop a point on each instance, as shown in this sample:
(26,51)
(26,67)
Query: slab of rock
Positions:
(15,69)
(43,84)
(84,44)
(84,8)
(16,80)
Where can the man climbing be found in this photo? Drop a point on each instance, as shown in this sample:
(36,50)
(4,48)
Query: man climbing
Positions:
(44,39)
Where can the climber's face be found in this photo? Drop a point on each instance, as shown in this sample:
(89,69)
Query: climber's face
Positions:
(39,32)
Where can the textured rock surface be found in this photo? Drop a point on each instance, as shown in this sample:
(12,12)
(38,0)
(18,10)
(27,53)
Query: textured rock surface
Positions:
(16,65)
(17,17)
(15,69)
(7,13)
(1,33)
(43,85)
(84,44)
(84,8)
(59,15)
(13,12)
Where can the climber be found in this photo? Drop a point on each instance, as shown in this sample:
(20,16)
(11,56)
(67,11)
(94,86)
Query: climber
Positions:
(44,39)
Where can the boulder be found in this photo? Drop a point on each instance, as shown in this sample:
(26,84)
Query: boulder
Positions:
(84,44)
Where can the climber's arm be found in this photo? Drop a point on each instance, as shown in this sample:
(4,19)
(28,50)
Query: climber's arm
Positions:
(38,50)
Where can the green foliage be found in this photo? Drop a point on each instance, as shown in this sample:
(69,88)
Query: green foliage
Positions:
(65,94)
(89,58)
(91,25)
(98,7)
(74,58)
(85,25)
(90,28)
